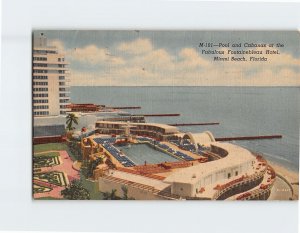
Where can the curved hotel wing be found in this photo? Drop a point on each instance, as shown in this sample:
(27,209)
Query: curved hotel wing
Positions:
(188,181)
(220,171)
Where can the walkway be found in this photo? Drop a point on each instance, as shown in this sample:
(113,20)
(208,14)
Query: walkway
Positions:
(66,167)
(280,190)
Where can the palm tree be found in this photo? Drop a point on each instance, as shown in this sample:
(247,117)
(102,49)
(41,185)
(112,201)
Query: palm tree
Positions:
(71,118)
(125,192)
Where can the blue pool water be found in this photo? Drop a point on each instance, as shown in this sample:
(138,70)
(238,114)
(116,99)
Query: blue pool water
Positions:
(139,153)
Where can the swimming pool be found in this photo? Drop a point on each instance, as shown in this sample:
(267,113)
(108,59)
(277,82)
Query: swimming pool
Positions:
(139,153)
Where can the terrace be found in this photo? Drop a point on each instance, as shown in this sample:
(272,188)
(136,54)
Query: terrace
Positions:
(167,149)
(117,155)
(262,191)
(186,145)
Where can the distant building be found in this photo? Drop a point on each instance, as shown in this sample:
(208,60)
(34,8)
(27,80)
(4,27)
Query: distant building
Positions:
(51,92)
(155,130)
(85,107)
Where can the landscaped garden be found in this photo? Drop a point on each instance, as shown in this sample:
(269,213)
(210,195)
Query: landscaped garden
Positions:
(49,159)
(40,188)
(55,178)
(46,160)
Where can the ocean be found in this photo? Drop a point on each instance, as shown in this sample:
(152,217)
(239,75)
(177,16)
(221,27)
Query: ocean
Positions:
(241,111)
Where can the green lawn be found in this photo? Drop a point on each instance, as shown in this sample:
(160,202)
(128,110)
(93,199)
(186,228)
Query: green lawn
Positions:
(49,146)
(54,146)
(49,154)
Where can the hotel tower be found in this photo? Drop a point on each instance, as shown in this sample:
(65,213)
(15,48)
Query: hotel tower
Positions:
(51,91)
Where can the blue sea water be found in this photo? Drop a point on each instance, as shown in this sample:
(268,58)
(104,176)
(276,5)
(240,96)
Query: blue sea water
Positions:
(241,111)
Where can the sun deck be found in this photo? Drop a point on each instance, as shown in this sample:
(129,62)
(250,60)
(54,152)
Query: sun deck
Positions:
(236,156)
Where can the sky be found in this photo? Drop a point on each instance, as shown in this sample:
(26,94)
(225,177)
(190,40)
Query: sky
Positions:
(173,58)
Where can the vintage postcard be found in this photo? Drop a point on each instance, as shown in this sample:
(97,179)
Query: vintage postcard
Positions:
(165,115)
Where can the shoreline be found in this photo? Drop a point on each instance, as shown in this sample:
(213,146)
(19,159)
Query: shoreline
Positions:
(290,175)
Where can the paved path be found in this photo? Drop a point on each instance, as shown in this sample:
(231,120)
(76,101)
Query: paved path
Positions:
(280,190)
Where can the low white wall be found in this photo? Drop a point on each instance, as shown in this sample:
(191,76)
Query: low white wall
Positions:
(220,176)
(138,194)
(182,189)
(83,121)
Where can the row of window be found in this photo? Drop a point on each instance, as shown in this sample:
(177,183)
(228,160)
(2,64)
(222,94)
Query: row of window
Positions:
(41,107)
(40,89)
(35,64)
(62,106)
(44,51)
(63,95)
(39,65)
(40,77)
(61,59)
(46,77)
(40,95)
(40,58)
(64,101)
(40,83)
(40,101)
(48,71)
(63,89)
(40,71)
(42,113)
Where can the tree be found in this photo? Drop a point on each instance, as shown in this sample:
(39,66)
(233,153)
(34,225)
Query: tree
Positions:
(75,149)
(110,195)
(71,118)
(92,166)
(75,191)
(125,193)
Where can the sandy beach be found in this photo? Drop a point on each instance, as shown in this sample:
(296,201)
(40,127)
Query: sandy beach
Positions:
(291,176)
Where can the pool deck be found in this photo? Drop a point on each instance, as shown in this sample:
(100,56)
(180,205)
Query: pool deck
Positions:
(194,156)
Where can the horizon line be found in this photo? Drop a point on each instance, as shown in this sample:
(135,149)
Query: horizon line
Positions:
(173,86)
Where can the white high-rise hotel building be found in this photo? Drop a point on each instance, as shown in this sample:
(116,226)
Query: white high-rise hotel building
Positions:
(51,91)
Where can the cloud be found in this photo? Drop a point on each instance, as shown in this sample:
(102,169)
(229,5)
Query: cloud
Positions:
(192,58)
(93,55)
(90,54)
(140,63)
(58,44)
(138,46)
